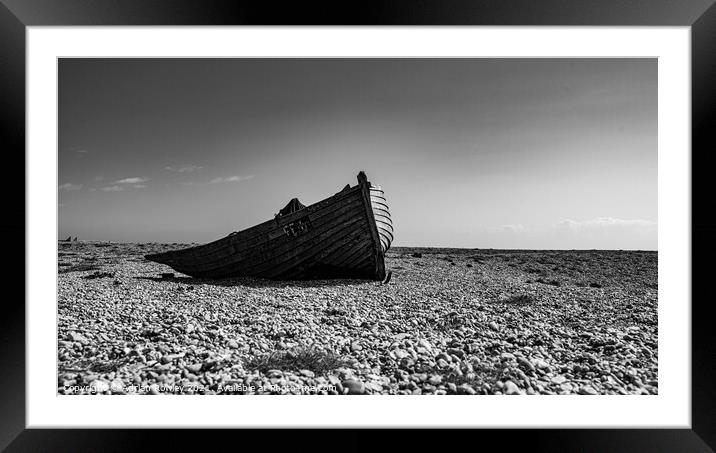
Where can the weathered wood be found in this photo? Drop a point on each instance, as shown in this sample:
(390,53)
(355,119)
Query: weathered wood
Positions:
(382,218)
(270,247)
(265,259)
(259,232)
(339,236)
(378,247)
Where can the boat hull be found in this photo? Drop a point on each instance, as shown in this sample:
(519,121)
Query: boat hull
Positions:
(335,238)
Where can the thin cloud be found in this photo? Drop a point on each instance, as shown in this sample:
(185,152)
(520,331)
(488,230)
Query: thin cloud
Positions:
(601,223)
(219,180)
(133,180)
(185,169)
(139,186)
(513,228)
(68,186)
(606,233)
(230,179)
(112,189)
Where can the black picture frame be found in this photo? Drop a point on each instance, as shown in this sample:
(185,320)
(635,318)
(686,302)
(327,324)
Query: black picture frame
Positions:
(699,15)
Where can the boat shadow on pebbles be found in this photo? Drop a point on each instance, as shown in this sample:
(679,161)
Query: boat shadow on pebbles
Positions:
(259,282)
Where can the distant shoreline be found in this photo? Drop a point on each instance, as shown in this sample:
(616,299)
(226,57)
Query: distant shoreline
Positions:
(393,249)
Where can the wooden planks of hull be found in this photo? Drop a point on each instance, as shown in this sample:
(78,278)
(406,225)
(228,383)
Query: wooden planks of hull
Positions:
(268,230)
(381,214)
(276,253)
(273,249)
(335,237)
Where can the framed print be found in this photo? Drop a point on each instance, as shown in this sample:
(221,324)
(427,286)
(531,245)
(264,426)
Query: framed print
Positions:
(236,218)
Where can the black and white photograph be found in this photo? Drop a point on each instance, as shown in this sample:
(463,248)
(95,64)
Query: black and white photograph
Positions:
(357,226)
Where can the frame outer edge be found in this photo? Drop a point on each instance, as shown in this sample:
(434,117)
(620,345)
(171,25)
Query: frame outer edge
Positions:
(12,225)
(12,84)
(703,344)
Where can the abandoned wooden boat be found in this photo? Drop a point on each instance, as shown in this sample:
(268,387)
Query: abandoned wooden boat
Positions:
(343,236)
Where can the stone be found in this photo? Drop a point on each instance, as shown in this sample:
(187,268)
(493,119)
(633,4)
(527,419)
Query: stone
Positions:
(559,379)
(354,386)
(435,379)
(168,358)
(425,344)
(233,344)
(507,357)
(493,325)
(511,388)
(420,377)
(335,382)
(374,387)
(307,373)
(117,386)
(540,364)
(587,390)
(78,338)
(525,364)
(99,386)
(194,367)
(465,389)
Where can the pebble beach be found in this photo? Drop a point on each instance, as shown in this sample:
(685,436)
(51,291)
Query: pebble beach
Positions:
(449,321)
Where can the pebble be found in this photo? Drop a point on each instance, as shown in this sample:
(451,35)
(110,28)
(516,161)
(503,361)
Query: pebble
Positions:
(117,386)
(511,388)
(99,386)
(494,326)
(354,386)
(540,364)
(525,364)
(168,358)
(465,389)
(559,379)
(435,379)
(425,344)
(78,338)
(587,390)
(334,381)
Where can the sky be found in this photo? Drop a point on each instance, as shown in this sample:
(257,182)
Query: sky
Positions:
(471,153)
